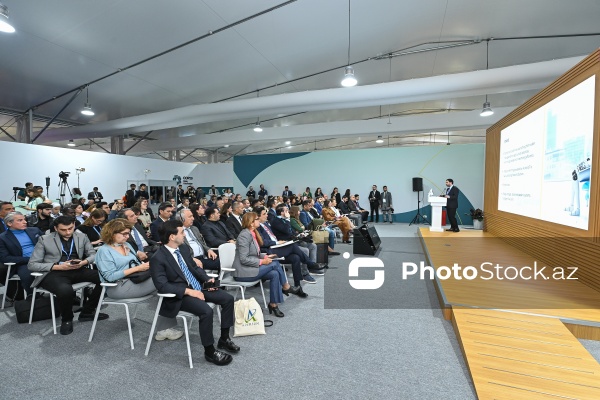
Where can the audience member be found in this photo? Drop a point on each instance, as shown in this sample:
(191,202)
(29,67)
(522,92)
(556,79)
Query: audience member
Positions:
(94,196)
(252,265)
(22,194)
(214,231)
(146,214)
(306,219)
(189,296)
(130,196)
(319,193)
(61,257)
(138,237)
(234,222)
(142,193)
(331,213)
(355,208)
(165,212)
(198,213)
(203,255)
(287,192)
(307,194)
(263,192)
(16,246)
(213,191)
(92,226)
(42,218)
(251,193)
(225,211)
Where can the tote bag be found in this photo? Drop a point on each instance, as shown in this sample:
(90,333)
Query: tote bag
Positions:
(248,318)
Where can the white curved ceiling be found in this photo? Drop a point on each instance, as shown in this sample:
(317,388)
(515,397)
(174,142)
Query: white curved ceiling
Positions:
(64,44)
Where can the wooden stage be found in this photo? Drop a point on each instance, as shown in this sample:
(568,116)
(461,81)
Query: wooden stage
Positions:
(518,336)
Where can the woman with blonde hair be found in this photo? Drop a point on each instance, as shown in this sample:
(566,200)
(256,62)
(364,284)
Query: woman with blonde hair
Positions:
(252,265)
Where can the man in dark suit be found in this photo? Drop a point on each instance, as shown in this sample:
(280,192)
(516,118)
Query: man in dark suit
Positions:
(130,195)
(345,209)
(204,257)
(375,203)
(234,222)
(6,207)
(16,246)
(174,271)
(94,196)
(144,246)
(452,204)
(271,204)
(214,231)
(355,207)
(165,212)
(287,192)
(142,193)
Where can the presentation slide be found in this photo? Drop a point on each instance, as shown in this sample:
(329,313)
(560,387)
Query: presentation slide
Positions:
(545,160)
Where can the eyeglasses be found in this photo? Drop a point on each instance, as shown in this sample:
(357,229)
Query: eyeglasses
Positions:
(120,203)
(124,233)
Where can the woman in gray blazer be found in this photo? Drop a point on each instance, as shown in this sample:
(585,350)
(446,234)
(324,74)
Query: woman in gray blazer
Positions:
(250,265)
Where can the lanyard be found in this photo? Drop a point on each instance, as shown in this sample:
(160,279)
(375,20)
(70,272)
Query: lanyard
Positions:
(70,250)
(96,229)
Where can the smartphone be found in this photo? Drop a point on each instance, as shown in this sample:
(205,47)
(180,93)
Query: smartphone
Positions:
(209,285)
(73,262)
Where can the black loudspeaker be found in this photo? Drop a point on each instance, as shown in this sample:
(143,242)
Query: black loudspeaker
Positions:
(417,184)
(366,240)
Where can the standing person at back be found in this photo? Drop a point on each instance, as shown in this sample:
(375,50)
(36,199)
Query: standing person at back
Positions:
(375,203)
(130,196)
(386,205)
(452,204)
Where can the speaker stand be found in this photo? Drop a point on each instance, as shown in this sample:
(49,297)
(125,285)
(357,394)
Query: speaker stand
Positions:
(418,217)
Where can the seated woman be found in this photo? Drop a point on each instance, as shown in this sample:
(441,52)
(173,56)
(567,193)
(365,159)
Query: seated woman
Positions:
(79,213)
(307,194)
(146,216)
(225,211)
(331,213)
(295,219)
(198,213)
(251,265)
(116,260)
(92,226)
(319,193)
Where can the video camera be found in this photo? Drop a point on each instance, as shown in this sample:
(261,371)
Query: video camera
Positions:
(63,175)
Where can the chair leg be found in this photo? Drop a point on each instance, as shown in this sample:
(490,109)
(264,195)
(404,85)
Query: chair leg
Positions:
(243,295)
(128,325)
(97,312)
(219,313)
(135,309)
(6,287)
(32,305)
(187,340)
(262,289)
(53,314)
(160,299)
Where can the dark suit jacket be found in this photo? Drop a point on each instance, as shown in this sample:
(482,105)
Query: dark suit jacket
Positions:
(90,232)
(215,233)
(352,206)
(142,231)
(282,229)
(169,278)
(130,198)
(374,198)
(154,229)
(92,197)
(453,198)
(343,207)
(2,228)
(10,248)
(234,226)
(287,193)
(271,215)
(200,238)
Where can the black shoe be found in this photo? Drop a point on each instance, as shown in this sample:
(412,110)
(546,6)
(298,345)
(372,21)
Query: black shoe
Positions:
(315,267)
(334,253)
(219,358)
(347,242)
(450,230)
(66,328)
(228,345)
(300,293)
(289,290)
(90,317)
(457,230)
(275,310)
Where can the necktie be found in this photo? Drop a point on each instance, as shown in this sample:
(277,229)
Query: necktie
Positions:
(192,237)
(138,241)
(447,190)
(193,282)
(270,232)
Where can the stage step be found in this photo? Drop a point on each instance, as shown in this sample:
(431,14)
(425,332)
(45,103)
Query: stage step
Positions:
(514,355)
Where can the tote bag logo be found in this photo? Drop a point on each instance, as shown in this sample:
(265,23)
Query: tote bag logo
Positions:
(366,284)
(251,316)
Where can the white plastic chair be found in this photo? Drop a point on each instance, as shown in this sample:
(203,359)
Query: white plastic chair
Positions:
(183,315)
(123,302)
(76,287)
(226,256)
(8,278)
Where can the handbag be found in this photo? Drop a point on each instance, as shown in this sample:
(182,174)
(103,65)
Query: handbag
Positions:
(138,277)
(249,318)
(320,235)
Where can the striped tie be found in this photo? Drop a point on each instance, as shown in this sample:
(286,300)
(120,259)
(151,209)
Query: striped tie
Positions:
(192,281)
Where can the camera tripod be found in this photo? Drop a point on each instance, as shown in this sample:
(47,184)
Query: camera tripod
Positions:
(418,217)
(62,185)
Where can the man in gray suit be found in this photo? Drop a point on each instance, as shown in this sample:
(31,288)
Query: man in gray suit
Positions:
(386,205)
(61,256)
(204,257)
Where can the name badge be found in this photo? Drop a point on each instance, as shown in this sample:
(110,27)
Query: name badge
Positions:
(384,200)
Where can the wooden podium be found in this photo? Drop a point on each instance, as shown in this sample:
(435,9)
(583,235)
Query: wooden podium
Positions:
(436,212)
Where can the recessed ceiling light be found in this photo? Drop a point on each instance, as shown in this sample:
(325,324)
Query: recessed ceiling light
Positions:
(225,145)
(71,143)
(5,26)
(379,139)
(288,142)
(257,127)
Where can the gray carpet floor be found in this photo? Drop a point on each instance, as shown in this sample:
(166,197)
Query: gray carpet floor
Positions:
(405,350)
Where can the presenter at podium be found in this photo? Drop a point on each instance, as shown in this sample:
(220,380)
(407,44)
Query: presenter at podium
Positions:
(452,204)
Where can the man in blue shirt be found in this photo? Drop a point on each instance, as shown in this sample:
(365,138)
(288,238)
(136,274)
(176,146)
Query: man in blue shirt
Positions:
(306,219)
(16,246)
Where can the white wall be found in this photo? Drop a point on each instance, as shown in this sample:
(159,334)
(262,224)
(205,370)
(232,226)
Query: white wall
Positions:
(33,163)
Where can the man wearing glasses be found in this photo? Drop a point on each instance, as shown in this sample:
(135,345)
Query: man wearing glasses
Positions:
(63,257)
